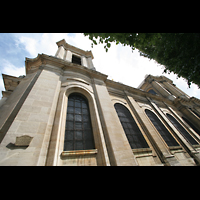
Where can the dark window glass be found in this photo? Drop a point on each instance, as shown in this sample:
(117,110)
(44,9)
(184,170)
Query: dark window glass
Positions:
(195,112)
(152,91)
(78,131)
(76,59)
(191,125)
(161,129)
(185,134)
(133,133)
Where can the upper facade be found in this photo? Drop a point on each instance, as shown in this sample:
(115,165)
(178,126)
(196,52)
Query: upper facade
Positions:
(64,112)
(75,55)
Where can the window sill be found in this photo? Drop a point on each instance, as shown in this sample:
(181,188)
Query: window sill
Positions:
(143,152)
(79,152)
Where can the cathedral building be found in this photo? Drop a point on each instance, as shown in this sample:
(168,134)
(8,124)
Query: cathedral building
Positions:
(66,113)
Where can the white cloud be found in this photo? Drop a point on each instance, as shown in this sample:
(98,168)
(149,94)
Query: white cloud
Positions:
(119,63)
(10,69)
(46,43)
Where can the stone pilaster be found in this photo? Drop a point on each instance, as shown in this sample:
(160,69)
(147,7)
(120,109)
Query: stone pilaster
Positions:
(174,90)
(90,63)
(162,90)
(60,52)
(119,150)
(69,56)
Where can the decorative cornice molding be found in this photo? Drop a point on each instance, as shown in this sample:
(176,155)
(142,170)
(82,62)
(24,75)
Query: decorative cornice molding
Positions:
(135,91)
(32,65)
(11,82)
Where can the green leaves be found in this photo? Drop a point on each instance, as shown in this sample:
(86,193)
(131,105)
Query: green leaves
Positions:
(178,52)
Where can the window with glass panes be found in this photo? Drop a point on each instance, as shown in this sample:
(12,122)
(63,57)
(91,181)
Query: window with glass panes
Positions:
(188,137)
(133,133)
(78,129)
(166,135)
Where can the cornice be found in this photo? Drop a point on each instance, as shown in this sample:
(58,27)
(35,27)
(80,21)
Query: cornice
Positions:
(33,64)
(10,82)
(149,78)
(194,99)
(135,91)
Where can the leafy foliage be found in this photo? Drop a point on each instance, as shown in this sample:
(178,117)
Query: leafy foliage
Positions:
(178,52)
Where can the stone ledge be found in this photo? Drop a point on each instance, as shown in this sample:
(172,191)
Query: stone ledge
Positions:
(79,152)
(143,152)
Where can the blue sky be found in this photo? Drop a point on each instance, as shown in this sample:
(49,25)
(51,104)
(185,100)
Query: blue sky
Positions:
(119,63)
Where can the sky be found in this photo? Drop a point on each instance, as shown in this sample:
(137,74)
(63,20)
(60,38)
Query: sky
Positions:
(119,63)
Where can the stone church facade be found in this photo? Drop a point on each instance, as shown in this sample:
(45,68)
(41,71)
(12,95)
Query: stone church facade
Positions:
(65,113)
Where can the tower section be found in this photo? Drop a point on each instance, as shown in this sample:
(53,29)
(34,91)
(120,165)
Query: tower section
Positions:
(75,55)
(162,86)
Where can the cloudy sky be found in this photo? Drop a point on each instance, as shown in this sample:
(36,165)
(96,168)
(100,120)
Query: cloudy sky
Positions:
(119,63)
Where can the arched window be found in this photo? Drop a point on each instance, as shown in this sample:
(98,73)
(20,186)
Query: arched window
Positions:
(195,112)
(182,130)
(78,130)
(133,133)
(161,129)
(191,125)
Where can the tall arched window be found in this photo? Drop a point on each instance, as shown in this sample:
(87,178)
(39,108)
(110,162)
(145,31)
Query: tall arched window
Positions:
(133,133)
(78,130)
(161,129)
(182,130)
(195,112)
(191,125)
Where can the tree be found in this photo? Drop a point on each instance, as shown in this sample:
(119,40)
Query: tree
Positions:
(178,52)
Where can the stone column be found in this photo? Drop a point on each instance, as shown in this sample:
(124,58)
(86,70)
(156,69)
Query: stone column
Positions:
(84,61)
(162,90)
(174,90)
(35,120)
(69,56)
(119,150)
(60,52)
(90,63)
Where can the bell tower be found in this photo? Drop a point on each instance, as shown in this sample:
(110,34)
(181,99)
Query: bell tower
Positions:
(75,55)
(162,86)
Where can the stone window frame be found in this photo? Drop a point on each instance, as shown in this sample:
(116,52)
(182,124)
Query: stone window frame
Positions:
(125,103)
(77,89)
(132,127)
(59,130)
(186,135)
(76,57)
(169,147)
(83,102)
(178,116)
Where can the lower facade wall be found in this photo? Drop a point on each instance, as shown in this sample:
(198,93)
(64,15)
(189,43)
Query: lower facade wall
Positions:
(78,158)
(79,161)
(112,146)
